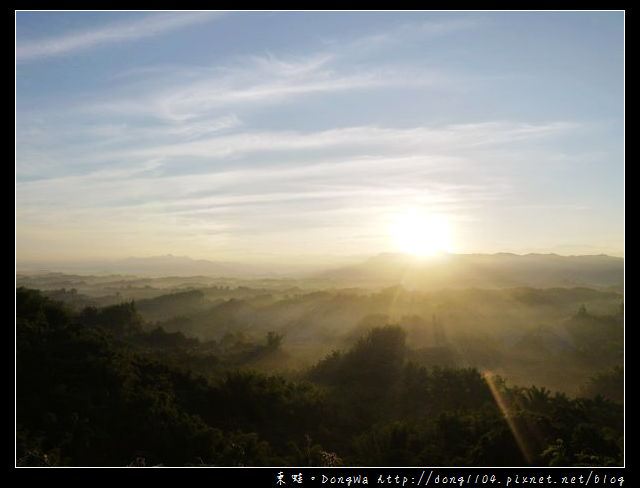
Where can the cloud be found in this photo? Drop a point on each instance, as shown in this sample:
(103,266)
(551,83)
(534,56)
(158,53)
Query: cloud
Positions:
(364,138)
(276,150)
(233,204)
(346,194)
(201,147)
(148,26)
(180,94)
(249,82)
(417,163)
(406,32)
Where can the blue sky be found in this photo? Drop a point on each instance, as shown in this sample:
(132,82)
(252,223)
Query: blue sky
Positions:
(268,135)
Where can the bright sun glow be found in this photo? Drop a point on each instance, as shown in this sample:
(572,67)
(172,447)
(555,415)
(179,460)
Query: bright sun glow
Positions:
(421,234)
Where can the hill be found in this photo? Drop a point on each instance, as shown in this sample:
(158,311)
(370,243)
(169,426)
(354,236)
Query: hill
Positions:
(482,271)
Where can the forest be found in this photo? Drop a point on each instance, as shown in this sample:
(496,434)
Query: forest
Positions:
(183,372)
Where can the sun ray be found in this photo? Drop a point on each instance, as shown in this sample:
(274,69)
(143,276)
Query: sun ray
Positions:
(503,405)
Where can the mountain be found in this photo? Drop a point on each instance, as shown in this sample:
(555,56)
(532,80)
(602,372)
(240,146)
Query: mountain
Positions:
(481,271)
(446,271)
(157,266)
(170,265)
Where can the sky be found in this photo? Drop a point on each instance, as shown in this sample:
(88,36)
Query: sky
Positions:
(282,136)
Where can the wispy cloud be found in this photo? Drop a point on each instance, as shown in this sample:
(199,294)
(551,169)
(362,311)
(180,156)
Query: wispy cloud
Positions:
(233,204)
(407,32)
(419,162)
(252,81)
(148,26)
(348,194)
(366,139)
(212,146)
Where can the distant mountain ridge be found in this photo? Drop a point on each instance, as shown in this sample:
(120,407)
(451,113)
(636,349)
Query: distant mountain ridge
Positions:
(159,266)
(447,271)
(483,270)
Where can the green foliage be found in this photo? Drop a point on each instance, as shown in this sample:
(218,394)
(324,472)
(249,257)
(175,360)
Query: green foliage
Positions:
(102,387)
(427,392)
(609,384)
(119,320)
(171,305)
(374,363)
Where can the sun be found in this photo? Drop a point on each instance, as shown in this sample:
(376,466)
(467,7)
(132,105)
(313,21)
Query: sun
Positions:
(421,234)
